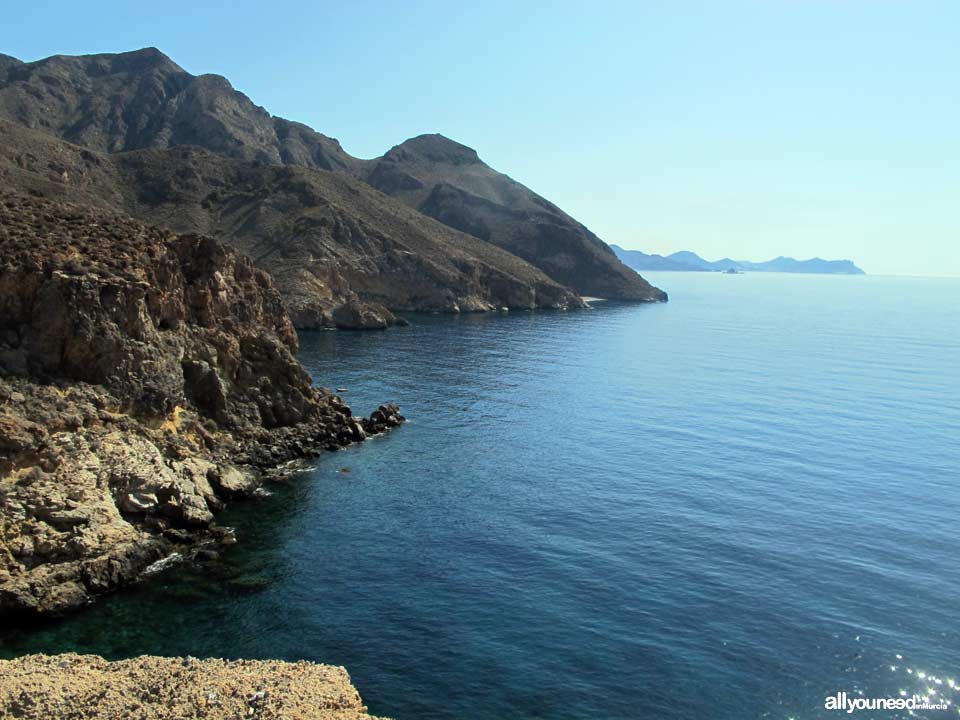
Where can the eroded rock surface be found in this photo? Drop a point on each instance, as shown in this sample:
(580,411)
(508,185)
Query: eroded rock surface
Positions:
(37,687)
(145,377)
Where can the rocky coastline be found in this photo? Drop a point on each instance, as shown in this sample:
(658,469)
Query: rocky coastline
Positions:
(37,687)
(161,239)
(146,378)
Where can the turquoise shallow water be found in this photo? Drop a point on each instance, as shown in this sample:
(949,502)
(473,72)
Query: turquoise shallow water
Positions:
(729,506)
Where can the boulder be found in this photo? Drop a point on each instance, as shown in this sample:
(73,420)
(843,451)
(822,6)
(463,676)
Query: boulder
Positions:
(357,315)
(231,481)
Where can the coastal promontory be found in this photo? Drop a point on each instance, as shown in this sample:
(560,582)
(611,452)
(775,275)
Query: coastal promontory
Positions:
(146,378)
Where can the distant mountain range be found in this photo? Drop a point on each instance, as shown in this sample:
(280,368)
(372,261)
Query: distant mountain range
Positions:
(690,261)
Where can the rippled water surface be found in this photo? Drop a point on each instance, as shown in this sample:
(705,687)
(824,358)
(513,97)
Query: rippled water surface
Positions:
(729,506)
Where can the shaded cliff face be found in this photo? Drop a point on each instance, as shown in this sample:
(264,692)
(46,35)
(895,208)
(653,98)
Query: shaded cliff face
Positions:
(449,182)
(142,101)
(144,377)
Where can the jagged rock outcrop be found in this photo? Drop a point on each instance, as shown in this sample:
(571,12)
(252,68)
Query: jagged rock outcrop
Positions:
(38,687)
(295,201)
(144,378)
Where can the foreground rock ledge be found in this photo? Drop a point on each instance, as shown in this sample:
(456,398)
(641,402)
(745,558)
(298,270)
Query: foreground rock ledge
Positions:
(87,686)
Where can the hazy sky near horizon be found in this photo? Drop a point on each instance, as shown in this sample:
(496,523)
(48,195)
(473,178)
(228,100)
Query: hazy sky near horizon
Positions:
(739,128)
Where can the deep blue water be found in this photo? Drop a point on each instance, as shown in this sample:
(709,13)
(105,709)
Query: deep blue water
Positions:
(728,506)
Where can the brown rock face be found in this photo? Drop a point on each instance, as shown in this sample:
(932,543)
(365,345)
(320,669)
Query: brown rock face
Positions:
(37,687)
(158,318)
(144,377)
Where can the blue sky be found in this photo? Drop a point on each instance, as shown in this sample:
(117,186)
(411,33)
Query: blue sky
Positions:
(749,129)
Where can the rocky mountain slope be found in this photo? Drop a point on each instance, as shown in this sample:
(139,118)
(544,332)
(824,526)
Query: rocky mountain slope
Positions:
(449,182)
(6,61)
(300,204)
(39,687)
(142,99)
(341,253)
(145,377)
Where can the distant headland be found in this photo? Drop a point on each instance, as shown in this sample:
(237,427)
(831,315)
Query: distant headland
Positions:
(685,261)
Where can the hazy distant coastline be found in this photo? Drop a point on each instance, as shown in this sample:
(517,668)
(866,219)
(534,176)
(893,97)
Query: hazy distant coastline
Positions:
(687,261)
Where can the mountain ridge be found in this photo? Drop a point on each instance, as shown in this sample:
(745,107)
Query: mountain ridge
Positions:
(143,101)
(688,261)
(340,252)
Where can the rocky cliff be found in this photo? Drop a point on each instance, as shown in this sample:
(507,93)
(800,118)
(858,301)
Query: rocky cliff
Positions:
(38,687)
(458,236)
(145,377)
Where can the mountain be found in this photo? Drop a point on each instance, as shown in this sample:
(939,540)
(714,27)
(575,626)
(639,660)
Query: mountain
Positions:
(448,181)
(813,265)
(142,99)
(339,251)
(686,260)
(641,260)
(428,226)
(145,378)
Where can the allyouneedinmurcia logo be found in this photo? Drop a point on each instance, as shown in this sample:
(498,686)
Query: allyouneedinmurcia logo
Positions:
(844,702)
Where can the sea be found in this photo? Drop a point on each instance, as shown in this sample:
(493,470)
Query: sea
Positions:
(733,505)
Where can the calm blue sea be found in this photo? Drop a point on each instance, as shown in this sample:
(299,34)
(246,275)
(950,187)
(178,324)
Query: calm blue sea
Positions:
(729,506)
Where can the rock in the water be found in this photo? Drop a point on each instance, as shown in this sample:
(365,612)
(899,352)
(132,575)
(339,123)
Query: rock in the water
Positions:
(356,427)
(357,315)
(385,417)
